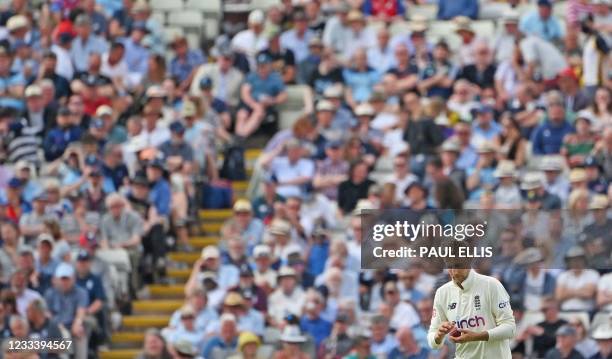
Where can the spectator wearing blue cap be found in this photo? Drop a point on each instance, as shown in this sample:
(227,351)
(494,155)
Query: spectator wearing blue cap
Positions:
(484,128)
(262,91)
(160,194)
(16,205)
(113,166)
(92,283)
(541,22)
(59,137)
(176,146)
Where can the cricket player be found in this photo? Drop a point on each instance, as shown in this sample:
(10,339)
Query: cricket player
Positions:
(474,310)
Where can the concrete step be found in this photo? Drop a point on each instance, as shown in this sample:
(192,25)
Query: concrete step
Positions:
(201,242)
(156,306)
(160,291)
(250,155)
(214,214)
(182,274)
(212,227)
(127,338)
(145,321)
(120,354)
(184,257)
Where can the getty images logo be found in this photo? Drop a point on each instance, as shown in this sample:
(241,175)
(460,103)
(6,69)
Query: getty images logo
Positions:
(471,322)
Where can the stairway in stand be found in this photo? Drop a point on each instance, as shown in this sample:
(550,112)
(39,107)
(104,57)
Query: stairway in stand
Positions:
(164,299)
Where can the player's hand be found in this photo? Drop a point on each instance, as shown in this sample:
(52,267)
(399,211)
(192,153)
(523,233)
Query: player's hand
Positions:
(469,336)
(443,329)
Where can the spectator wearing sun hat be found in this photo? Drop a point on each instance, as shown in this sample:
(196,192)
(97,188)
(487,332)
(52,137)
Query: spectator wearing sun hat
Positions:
(603,336)
(243,224)
(226,275)
(248,345)
(288,297)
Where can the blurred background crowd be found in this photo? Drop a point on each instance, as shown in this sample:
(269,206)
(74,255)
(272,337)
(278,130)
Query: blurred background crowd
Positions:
(184,179)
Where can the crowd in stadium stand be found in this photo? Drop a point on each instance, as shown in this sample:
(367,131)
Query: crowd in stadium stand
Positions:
(110,136)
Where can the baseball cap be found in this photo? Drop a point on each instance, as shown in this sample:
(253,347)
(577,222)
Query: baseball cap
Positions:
(242,205)
(263,58)
(83,255)
(15,183)
(64,270)
(256,17)
(104,110)
(44,237)
(97,123)
(177,127)
(25,249)
(33,90)
(566,330)
(261,250)
(210,252)
(335,144)
(16,22)
(245,271)
(544,3)
(206,82)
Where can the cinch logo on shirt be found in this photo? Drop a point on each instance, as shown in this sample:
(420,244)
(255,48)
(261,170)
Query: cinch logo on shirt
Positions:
(472,322)
(452,306)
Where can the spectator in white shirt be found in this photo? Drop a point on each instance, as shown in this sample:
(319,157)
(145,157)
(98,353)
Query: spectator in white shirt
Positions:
(577,286)
(360,37)
(288,298)
(252,40)
(381,56)
(604,293)
(337,30)
(291,171)
(114,66)
(23,295)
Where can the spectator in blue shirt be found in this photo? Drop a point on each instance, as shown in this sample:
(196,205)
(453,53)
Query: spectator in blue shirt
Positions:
(262,91)
(12,84)
(94,287)
(68,303)
(449,9)
(136,53)
(185,61)
(226,340)
(360,79)
(547,138)
(59,137)
(542,23)
(311,322)
(160,194)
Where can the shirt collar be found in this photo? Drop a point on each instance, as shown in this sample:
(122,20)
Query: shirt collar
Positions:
(469,281)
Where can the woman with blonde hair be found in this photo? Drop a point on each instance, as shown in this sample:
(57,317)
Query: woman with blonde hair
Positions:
(577,215)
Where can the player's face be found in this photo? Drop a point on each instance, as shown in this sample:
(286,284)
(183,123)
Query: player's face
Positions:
(458,275)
